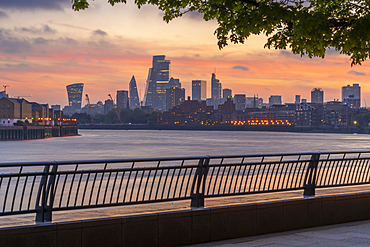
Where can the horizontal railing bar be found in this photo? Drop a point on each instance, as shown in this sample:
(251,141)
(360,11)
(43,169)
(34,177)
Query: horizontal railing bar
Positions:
(122,203)
(7,175)
(30,211)
(102,161)
(341,185)
(137,169)
(251,192)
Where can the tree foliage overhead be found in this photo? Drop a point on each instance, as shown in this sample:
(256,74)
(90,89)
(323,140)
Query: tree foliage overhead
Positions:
(306,27)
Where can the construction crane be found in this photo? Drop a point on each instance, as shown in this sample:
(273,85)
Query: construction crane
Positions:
(117,111)
(5,86)
(89,108)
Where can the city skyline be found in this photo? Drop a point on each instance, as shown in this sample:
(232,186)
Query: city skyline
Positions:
(46,47)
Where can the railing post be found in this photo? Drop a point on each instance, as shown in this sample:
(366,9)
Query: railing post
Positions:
(197,196)
(46,191)
(310,179)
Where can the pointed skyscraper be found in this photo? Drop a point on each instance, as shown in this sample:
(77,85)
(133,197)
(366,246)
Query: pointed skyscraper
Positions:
(134,96)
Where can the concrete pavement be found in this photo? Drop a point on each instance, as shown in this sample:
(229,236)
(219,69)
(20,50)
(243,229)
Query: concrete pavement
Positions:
(348,234)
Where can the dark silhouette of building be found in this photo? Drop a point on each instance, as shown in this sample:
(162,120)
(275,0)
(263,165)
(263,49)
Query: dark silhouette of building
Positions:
(174,83)
(275,100)
(122,99)
(134,96)
(198,90)
(317,96)
(226,93)
(108,106)
(297,99)
(174,96)
(239,100)
(351,95)
(216,87)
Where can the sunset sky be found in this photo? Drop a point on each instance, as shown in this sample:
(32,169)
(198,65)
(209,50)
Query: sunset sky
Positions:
(45,45)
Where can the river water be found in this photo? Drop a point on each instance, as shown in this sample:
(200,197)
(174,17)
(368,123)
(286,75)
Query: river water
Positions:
(112,144)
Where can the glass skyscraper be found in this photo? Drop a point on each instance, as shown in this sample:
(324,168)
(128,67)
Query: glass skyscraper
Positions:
(215,87)
(75,95)
(134,96)
(157,83)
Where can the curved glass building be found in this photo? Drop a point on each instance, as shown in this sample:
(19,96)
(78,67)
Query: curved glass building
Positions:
(75,95)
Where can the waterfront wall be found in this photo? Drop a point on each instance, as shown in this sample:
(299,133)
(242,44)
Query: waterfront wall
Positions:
(223,128)
(194,226)
(35,132)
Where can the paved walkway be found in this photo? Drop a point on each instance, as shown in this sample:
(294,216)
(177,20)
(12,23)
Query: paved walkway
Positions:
(348,234)
(73,215)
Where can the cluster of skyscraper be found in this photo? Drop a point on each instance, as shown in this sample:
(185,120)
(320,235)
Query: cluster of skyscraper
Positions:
(163,92)
(124,99)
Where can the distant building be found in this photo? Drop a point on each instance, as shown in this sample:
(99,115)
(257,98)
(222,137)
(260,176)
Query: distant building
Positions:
(97,108)
(189,112)
(134,96)
(157,83)
(275,100)
(56,107)
(212,102)
(253,102)
(215,87)
(122,99)
(3,94)
(174,96)
(108,106)
(40,113)
(12,110)
(226,93)
(317,96)
(352,95)
(75,96)
(239,100)
(297,99)
(174,83)
(199,90)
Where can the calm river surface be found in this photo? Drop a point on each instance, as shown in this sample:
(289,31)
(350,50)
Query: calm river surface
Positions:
(111,144)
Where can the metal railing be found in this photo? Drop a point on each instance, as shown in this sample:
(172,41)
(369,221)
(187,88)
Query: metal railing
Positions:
(44,187)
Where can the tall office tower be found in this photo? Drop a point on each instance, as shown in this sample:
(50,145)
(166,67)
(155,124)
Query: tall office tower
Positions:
(297,99)
(352,95)
(134,96)
(317,96)
(226,93)
(174,83)
(275,100)
(215,87)
(174,96)
(75,96)
(157,83)
(239,101)
(198,90)
(122,99)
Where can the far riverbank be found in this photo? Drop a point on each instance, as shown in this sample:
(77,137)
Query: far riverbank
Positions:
(198,127)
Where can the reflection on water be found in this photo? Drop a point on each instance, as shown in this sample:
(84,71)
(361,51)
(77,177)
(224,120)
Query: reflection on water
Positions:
(110,144)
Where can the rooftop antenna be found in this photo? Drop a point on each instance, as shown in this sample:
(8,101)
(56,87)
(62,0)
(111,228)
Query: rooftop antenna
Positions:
(215,71)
